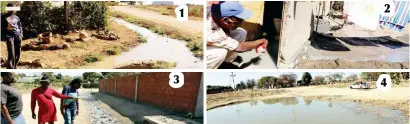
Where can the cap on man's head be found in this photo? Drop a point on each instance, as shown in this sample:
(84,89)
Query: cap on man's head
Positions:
(231,8)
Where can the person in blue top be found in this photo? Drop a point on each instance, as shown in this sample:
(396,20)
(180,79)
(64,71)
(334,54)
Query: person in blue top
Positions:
(70,108)
(12,31)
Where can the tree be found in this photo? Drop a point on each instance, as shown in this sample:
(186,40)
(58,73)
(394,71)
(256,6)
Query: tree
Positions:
(352,77)
(20,75)
(240,86)
(370,76)
(306,78)
(338,76)
(91,76)
(288,79)
(318,80)
(250,83)
(268,82)
(118,74)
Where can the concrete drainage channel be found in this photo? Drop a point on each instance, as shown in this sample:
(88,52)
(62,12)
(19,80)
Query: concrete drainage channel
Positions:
(158,48)
(97,114)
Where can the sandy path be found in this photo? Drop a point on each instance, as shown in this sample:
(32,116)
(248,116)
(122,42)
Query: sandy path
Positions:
(399,93)
(189,26)
(82,118)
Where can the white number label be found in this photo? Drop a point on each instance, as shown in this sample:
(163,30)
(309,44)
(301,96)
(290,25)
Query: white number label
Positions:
(181,13)
(384,82)
(388,8)
(176,79)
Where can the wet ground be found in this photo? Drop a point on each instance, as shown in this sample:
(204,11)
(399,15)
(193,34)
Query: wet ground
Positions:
(98,115)
(296,110)
(157,48)
(357,45)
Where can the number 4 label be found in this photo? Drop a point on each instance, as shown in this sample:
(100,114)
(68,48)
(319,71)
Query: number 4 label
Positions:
(176,79)
(181,13)
(388,8)
(384,82)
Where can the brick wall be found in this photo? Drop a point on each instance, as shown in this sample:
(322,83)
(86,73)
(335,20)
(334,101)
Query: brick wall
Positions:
(153,88)
(110,86)
(126,87)
(102,86)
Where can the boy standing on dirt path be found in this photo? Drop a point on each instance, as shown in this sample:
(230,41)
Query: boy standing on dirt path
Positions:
(11,101)
(70,108)
(13,32)
(225,38)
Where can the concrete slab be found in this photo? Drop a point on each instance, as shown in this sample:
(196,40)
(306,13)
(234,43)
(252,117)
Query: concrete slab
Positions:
(137,111)
(167,119)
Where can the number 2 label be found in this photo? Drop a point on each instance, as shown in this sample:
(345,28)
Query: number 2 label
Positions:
(181,13)
(388,8)
(176,79)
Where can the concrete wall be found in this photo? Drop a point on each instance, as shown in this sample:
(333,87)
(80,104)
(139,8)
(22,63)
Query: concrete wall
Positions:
(297,27)
(154,89)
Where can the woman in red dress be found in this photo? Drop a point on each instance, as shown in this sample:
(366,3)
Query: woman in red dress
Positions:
(47,111)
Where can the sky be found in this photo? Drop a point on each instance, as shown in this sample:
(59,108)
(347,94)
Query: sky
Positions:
(224,78)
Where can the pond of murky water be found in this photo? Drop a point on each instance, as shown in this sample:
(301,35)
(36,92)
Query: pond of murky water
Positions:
(296,110)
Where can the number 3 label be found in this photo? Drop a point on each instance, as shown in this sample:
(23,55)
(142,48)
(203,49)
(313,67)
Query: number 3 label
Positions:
(388,8)
(384,82)
(176,79)
(181,13)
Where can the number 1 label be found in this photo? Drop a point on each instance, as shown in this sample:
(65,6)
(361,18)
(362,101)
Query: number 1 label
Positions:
(384,82)
(181,13)
(176,79)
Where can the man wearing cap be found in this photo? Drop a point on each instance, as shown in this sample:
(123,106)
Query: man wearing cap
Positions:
(225,38)
(13,33)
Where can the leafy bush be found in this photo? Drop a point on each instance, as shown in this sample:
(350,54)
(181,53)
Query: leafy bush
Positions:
(218,89)
(88,14)
(90,85)
(40,16)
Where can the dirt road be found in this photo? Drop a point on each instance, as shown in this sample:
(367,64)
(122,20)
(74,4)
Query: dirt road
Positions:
(189,26)
(82,118)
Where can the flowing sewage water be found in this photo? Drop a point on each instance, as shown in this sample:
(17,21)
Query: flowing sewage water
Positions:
(157,48)
(296,110)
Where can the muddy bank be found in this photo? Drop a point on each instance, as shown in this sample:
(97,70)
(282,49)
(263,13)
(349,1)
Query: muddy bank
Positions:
(402,105)
(228,98)
(344,64)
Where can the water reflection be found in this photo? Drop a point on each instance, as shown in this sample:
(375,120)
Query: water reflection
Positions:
(297,110)
(283,101)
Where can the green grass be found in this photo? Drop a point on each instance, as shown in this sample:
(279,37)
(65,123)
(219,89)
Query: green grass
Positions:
(194,43)
(93,58)
(142,38)
(112,51)
(163,65)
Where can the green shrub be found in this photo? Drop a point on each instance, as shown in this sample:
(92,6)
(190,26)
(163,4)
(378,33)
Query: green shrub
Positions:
(112,51)
(93,58)
(40,16)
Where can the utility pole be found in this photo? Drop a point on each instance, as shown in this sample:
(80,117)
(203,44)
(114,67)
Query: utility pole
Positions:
(233,79)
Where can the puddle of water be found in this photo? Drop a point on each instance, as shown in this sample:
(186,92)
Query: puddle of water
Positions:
(158,48)
(296,110)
